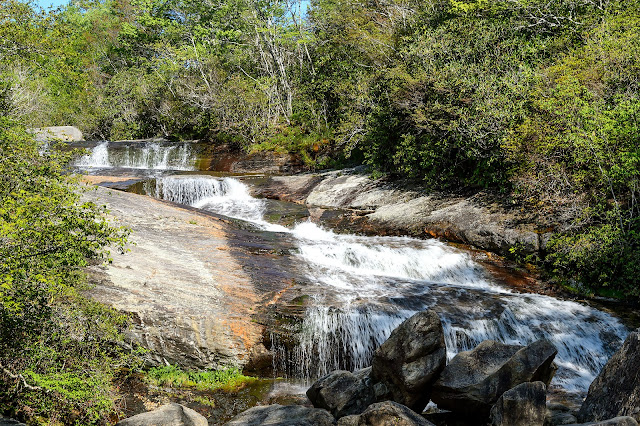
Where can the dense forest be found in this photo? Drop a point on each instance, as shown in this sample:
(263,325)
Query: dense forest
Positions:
(536,101)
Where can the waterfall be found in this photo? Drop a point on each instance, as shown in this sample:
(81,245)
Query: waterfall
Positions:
(149,156)
(227,196)
(364,287)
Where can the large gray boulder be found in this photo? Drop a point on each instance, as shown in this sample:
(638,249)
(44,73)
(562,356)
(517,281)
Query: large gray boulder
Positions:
(342,393)
(525,404)
(411,359)
(167,415)
(474,380)
(616,390)
(63,133)
(387,413)
(283,415)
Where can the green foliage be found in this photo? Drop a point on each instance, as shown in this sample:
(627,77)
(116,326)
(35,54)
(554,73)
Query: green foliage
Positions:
(58,350)
(228,380)
(602,260)
(577,154)
(533,99)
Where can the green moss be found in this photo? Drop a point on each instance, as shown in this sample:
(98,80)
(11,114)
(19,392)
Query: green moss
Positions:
(228,380)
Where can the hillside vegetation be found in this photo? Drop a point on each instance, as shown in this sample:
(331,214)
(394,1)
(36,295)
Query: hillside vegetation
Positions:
(537,100)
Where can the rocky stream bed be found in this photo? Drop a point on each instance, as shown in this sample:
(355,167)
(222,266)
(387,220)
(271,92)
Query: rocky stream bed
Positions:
(299,276)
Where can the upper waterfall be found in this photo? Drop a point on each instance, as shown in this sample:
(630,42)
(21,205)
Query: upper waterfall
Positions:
(150,156)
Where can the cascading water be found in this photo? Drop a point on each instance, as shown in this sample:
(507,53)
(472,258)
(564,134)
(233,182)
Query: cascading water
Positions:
(227,196)
(149,156)
(364,287)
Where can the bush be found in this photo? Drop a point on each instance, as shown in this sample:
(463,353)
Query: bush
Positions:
(59,351)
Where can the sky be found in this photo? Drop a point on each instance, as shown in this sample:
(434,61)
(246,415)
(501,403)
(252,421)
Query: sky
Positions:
(45,4)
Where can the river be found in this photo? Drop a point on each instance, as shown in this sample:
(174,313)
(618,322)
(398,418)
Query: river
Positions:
(361,287)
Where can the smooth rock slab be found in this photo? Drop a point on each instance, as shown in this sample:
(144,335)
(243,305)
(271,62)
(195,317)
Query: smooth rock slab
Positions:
(342,393)
(410,360)
(190,297)
(616,390)
(474,380)
(167,415)
(283,415)
(387,413)
(525,404)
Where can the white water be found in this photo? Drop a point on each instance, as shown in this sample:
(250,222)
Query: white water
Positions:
(364,287)
(150,156)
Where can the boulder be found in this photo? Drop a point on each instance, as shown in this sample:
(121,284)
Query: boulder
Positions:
(474,380)
(342,393)
(556,418)
(617,421)
(560,414)
(525,404)
(616,390)
(411,359)
(283,415)
(64,133)
(169,415)
(387,413)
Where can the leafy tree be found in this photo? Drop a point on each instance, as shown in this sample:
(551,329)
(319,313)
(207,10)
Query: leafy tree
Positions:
(57,353)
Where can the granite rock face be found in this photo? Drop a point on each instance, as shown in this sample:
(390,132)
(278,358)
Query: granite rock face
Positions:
(190,298)
(474,380)
(410,360)
(381,207)
(616,390)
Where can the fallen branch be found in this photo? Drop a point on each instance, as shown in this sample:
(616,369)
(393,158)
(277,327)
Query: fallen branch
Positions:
(23,380)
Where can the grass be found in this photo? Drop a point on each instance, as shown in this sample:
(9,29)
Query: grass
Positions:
(228,380)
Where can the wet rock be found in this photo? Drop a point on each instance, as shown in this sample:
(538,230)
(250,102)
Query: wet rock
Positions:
(267,162)
(387,413)
(411,359)
(283,415)
(169,415)
(474,380)
(260,361)
(524,404)
(342,393)
(616,390)
(400,209)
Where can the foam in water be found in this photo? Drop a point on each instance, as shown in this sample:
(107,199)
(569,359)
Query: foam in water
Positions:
(225,196)
(369,285)
(151,156)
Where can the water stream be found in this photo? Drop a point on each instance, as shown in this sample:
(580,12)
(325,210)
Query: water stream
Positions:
(363,287)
